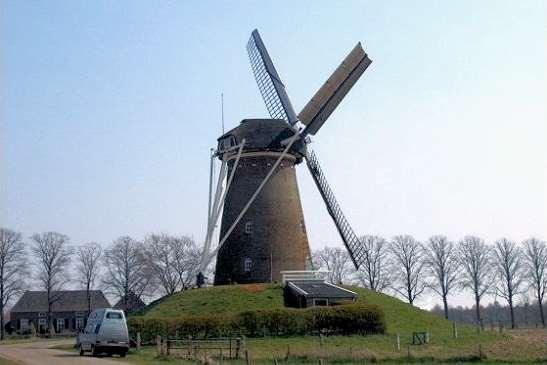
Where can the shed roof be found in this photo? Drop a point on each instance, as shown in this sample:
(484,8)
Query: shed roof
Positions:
(319,288)
(65,301)
(132,304)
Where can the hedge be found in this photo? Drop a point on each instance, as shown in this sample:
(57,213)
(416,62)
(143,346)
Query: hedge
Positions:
(343,320)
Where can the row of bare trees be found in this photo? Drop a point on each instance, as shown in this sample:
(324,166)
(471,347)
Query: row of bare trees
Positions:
(126,267)
(409,268)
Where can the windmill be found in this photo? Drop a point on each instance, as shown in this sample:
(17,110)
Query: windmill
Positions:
(263,231)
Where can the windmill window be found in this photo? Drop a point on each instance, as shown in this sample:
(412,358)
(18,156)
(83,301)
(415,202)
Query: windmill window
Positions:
(227,142)
(247,264)
(249,227)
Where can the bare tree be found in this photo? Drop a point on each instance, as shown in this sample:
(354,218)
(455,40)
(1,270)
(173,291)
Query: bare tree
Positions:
(374,272)
(408,267)
(12,270)
(88,268)
(161,255)
(187,258)
(443,265)
(127,270)
(336,261)
(535,259)
(477,268)
(507,259)
(173,260)
(53,255)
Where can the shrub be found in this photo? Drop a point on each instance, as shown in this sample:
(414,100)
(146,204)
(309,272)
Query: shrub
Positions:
(342,319)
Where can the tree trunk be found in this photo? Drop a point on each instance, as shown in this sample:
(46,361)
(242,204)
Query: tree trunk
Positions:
(478,310)
(541,312)
(445,303)
(512,312)
(2,330)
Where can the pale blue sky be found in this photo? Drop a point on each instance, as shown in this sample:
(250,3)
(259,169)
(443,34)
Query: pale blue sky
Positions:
(109,110)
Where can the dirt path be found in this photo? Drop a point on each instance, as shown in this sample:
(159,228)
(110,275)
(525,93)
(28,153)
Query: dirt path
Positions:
(41,353)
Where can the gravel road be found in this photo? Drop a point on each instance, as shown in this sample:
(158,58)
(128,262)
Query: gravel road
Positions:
(41,353)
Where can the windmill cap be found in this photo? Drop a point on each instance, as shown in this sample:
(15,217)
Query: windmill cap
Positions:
(259,135)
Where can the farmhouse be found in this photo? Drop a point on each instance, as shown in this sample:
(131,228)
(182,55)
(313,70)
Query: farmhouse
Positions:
(69,310)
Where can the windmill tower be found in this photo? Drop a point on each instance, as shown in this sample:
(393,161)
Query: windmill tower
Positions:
(263,230)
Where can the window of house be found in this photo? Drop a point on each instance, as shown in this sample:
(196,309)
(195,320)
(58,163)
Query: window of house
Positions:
(320,302)
(249,227)
(23,323)
(79,323)
(42,322)
(42,315)
(60,325)
(247,264)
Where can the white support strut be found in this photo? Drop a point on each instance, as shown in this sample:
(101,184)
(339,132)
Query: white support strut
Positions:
(214,214)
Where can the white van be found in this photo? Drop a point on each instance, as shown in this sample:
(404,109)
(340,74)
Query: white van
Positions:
(105,332)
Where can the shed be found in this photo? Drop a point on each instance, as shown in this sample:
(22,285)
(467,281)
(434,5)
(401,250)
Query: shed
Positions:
(311,293)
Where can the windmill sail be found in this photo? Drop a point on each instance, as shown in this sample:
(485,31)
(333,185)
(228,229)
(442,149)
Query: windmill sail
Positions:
(272,89)
(351,241)
(327,98)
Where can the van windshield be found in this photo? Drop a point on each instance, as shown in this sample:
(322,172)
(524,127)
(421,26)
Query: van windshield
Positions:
(113,315)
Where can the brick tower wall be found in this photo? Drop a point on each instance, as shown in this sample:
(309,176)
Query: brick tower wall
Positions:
(272,233)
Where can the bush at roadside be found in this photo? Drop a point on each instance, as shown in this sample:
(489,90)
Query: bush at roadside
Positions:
(340,320)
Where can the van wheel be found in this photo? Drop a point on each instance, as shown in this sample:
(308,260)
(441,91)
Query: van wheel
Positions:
(123,353)
(81,351)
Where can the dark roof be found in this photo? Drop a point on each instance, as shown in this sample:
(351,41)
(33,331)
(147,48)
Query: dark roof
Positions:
(65,301)
(134,303)
(319,288)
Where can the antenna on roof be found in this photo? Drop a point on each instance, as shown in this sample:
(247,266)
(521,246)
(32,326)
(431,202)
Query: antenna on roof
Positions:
(222,111)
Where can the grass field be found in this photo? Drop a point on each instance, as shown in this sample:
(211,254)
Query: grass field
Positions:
(401,319)
(7,362)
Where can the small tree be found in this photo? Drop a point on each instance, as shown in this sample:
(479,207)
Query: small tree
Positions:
(12,270)
(374,271)
(127,270)
(160,253)
(408,267)
(88,268)
(336,261)
(535,259)
(187,257)
(477,268)
(443,265)
(508,266)
(53,255)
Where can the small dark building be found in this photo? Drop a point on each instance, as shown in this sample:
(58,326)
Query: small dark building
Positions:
(68,312)
(131,303)
(311,293)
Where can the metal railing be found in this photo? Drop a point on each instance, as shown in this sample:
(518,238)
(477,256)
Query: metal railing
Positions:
(351,241)
(227,347)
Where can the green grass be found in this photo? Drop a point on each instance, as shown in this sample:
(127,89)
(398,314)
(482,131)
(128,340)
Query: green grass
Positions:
(219,300)
(4,361)
(401,319)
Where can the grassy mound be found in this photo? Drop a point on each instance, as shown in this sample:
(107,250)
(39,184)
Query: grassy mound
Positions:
(400,317)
